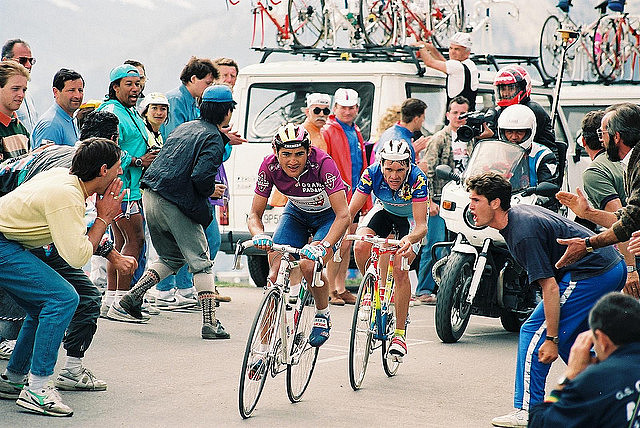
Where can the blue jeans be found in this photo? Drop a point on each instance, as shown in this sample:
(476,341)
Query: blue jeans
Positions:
(49,301)
(435,233)
(183,279)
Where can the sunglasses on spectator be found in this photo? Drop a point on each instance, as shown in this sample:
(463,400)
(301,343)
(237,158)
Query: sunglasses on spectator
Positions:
(24,59)
(317,110)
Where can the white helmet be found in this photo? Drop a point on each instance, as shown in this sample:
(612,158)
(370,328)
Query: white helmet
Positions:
(518,116)
(395,150)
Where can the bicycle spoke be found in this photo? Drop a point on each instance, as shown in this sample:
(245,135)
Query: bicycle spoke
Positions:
(377,21)
(446,18)
(605,48)
(306,20)
(303,355)
(550,47)
(360,342)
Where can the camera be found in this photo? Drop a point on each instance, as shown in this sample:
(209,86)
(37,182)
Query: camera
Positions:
(475,119)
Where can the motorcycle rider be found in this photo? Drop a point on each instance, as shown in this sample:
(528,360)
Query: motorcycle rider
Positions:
(402,199)
(568,294)
(517,125)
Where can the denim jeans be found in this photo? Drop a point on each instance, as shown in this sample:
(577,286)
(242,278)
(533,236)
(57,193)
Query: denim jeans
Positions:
(49,301)
(435,233)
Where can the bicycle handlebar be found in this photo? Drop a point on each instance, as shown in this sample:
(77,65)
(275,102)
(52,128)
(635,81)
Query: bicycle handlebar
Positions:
(241,246)
(373,240)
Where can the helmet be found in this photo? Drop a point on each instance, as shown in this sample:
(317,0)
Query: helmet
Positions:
(291,136)
(516,76)
(395,150)
(518,117)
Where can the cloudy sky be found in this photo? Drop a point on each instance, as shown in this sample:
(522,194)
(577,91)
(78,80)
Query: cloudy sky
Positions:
(92,36)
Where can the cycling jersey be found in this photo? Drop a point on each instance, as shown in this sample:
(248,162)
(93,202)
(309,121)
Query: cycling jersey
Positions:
(309,191)
(397,202)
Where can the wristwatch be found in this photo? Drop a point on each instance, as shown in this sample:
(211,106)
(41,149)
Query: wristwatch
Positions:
(137,162)
(631,269)
(326,244)
(563,380)
(587,243)
(554,339)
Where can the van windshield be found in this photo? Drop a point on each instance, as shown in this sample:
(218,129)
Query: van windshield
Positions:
(273,104)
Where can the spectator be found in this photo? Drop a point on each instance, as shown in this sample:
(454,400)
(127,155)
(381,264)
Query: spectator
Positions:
(316,112)
(155,113)
(346,146)
(411,120)
(390,117)
(84,110)
(590,392)
(56,124)
(178,186)
(444,148)
(530,232)
(228,70)
(60,194)
(14,137)
(128,229)
(143,81)
(19,51)
(462,73)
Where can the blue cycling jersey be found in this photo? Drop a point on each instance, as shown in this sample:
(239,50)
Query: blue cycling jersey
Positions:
(397,202)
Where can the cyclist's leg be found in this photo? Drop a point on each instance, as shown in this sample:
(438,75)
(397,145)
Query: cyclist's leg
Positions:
(376,222)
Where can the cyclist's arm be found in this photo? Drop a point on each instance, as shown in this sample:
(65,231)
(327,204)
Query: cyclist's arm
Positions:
(342,221)
(254,221)
(357,202)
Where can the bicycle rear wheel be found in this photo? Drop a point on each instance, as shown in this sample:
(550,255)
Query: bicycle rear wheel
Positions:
(306,21)
(550,47)
(299,373)
(605,48)
(360,341)
(377,21)
(256,362)
(446,18)
(390,367)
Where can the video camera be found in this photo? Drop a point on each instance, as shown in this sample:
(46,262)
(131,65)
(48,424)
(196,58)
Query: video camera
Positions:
(475,119)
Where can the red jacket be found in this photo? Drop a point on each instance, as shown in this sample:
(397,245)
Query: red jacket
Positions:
(338,149)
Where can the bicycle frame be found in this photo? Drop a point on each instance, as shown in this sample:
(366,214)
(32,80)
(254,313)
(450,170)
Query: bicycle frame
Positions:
(283,32)
(381,303)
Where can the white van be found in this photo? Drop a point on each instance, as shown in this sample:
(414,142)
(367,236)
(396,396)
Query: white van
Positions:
(272,93)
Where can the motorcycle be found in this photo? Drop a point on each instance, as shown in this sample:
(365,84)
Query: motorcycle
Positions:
(480,277)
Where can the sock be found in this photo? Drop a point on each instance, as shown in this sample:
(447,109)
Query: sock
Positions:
(208,306)
(148,280)
(73,364)
(109,297)
(36,383)
(399,332)
(118,296)
(324,311)
(15,377)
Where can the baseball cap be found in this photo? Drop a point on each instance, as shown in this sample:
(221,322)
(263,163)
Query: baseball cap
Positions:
(124,70)
(90,104)
(318,99)
(345,97)
(154,98)
(218,94)
(461,39)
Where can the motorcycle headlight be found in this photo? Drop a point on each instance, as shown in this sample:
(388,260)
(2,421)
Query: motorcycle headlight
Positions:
(468,219)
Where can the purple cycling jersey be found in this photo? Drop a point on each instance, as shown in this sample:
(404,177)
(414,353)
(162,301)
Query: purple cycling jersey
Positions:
(310,190)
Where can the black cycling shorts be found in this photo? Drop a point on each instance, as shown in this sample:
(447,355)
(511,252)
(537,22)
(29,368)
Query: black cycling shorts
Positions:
(383,222)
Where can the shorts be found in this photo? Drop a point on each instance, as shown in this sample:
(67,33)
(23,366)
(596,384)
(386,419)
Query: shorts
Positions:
(296,226)
(382,222)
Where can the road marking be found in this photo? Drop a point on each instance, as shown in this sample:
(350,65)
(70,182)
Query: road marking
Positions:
(410,343)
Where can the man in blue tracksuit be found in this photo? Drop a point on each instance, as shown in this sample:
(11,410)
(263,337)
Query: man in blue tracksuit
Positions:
(568,294)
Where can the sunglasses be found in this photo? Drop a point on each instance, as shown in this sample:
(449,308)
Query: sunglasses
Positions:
(24,59)
(317,110)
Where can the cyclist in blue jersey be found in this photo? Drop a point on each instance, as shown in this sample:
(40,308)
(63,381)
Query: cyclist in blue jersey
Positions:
(402,205)
(316,208)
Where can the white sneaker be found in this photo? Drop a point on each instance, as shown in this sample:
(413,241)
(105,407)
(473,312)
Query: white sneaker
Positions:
(83,381)
(6,349)
(518,418)
(46,401)
(104,310)
(117,313)
(176,301)
(150,308)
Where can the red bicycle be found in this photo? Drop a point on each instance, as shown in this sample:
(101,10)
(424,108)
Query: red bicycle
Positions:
(269,8)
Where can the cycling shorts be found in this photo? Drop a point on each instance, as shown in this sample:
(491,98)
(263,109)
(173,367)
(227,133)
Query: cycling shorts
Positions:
(296,226)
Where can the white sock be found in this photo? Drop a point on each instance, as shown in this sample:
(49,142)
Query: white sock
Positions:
(109,297)
(324,311)
(36,383)
(119,294)
(74,364)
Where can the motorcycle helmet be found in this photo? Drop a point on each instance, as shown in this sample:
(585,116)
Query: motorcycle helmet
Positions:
(516,78)
(518,117)
(395,150)
(291,136)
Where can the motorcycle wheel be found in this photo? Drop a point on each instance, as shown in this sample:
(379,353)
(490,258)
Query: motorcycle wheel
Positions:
(452,309)
(512,321)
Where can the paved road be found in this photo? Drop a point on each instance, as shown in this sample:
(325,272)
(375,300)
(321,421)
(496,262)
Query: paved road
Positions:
(163,375)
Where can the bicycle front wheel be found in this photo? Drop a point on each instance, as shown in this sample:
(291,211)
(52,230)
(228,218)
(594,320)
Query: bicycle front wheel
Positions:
(446,18)
(388,364)
(360,342)
(377,21)
(605,48)
(303,355)
(306,21)
(256,361)
(550,47)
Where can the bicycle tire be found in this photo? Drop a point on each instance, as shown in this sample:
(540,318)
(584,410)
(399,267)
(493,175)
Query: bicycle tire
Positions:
(606,48)
(550,46)
(306,22)
(377,21)
(250,388)
(388,364)
(299,374)
(446,17)
(361,333)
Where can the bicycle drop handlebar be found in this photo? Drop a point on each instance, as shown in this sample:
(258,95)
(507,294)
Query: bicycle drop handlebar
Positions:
(241,246)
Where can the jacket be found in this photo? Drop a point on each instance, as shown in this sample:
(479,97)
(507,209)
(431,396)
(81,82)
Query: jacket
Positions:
(185,169)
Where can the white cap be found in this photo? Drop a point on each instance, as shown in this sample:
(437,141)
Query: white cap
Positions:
(346,97)
(461,39)
(318,99)
(154,98)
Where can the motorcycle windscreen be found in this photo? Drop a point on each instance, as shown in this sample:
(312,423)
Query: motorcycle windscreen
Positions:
(506,159)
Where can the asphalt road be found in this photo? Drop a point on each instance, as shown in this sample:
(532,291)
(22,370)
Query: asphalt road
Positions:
(164,375)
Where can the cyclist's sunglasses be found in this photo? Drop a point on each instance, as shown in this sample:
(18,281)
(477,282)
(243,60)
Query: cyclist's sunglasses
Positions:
(317,110)
(24,59)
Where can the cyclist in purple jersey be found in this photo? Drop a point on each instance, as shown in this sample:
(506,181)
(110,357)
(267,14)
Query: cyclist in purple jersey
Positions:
(317,207)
